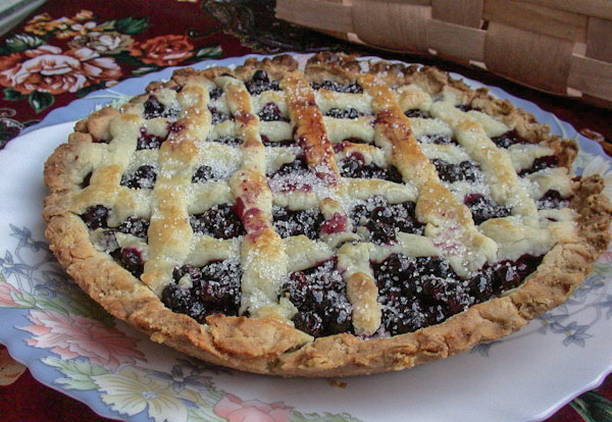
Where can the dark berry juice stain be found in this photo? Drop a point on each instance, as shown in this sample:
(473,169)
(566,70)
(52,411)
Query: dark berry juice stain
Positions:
(508,139)
(464,171)
(319,294)
(154,108)
(483,208)
(296,222)
(354,167)
(96,217)
(541,163)
(271,113)
(143,178)
(339,113)
(148,141)
(350,88)
(220,222)
(415,112)
(215,289)
(384,220)
(260,82)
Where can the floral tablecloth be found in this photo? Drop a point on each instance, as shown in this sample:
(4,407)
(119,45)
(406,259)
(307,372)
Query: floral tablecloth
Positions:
(69,48)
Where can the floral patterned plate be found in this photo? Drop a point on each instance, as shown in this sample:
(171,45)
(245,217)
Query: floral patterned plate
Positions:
(72,345)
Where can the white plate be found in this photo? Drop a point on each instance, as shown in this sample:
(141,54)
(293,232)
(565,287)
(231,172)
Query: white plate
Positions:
(49,325)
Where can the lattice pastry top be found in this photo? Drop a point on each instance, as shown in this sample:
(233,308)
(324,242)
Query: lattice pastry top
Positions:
(347,218)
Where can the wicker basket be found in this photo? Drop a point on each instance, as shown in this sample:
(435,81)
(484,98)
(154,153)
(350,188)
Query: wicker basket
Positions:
(558,46)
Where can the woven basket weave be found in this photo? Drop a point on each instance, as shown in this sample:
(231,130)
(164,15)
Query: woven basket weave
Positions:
(558,46)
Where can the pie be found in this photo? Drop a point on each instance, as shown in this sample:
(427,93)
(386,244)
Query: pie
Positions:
(345,218)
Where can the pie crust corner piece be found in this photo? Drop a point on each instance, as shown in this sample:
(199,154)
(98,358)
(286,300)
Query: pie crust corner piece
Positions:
(339,219)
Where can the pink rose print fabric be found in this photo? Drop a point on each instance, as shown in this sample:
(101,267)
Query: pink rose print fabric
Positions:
(6,298)
(236,410)
(71,336)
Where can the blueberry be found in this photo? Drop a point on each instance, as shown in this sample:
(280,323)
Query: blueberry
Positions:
(96,217)
(289,222)
(143,178)
(220,222)
(541,163)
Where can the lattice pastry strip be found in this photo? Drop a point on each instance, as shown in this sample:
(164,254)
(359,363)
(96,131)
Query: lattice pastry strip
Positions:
(263,258)
(170,231)
(448,222)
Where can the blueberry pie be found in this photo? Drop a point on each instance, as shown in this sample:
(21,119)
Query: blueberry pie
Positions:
(341,218)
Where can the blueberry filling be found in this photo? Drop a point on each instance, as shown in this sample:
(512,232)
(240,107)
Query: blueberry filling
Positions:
(215,93)
(350,88)
(206,174)
(270,113)
(260,82)
(283,143)
(96,217)
(415,112)
(438,139)
(467,107)
(508,139)
(130,259)
(86,181)
(293,223)
(384,220)
(148,141)
(297,166)
(153,108)
(483,208)
(354,167)
(417,292)
(541,163)
(338,113)
(220,222)
(212,289)
(464,171)
(97,140)
(552,199)
(143,178)
(319,294)
(218,116)
(493,280)
(291,176)
(227,140)
(135,226)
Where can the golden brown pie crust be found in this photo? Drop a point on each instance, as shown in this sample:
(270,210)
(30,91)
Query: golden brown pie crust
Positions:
(270,346)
